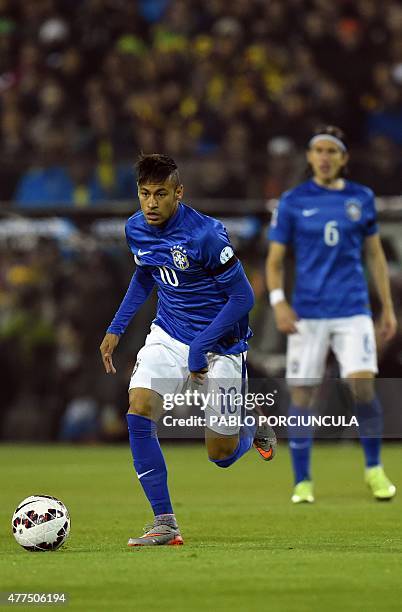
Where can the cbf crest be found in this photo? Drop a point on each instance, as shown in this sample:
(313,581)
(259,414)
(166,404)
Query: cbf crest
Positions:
(353,209)
(179,256)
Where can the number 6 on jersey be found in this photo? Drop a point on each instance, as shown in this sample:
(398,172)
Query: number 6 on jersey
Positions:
(331,233)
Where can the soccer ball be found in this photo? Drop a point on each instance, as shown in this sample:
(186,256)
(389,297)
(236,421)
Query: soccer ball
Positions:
(41,522)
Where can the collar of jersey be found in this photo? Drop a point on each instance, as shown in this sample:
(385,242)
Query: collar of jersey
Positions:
(327,189)
(171,222)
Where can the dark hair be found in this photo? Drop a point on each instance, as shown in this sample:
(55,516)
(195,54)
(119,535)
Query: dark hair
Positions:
(330,130)
(156,168)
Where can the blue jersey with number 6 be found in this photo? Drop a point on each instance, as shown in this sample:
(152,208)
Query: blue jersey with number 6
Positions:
(327,229)
(191,261)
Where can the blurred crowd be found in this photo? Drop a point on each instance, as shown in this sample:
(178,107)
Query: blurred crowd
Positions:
(56,300)
(230,89)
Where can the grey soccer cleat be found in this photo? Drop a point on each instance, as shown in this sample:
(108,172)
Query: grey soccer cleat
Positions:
(158,534)
(265,441)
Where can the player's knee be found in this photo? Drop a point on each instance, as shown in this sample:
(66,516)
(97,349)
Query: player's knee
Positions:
(362,390)
(140,410)
(216,457)
(303,397)
(139,404)
(221,448)
(219,461)
(145,402)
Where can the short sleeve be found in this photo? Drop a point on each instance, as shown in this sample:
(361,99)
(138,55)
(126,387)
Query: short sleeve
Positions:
(370,218)
(131,231)
(281,228)
(216,252)
(128,237)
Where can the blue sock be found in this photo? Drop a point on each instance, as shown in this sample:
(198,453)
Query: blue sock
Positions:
(300,439)
(369,416)
(245,442)
(149,462)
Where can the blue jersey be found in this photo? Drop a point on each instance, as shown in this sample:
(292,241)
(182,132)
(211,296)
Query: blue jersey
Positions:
(190,259)
(327,229)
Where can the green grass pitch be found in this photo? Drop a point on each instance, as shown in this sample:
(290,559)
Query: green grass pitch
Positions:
(246,547)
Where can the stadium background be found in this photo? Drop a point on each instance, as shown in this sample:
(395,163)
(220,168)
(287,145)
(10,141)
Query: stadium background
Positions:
(85,86)
(232,91)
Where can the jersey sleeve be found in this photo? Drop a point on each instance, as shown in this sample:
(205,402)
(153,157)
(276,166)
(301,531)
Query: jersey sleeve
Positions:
(129,236)
(370,218)
(216,253)
(281,228)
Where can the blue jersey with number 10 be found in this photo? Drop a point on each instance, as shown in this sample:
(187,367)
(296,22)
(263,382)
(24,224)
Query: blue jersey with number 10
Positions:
(327,229)
(192,262)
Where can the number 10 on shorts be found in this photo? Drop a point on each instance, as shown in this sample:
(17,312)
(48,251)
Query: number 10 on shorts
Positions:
(230,400)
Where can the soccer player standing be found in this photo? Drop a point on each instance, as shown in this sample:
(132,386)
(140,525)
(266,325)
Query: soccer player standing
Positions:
(200,331)
(328,220)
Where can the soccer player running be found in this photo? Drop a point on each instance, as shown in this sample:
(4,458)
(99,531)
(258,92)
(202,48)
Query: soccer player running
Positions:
(199,335)
(328,220)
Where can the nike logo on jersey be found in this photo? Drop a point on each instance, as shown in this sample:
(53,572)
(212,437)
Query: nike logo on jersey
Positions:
(308,212)
(145,473)
(141,253)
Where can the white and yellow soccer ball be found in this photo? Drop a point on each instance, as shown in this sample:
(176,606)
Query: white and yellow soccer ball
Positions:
(41,523)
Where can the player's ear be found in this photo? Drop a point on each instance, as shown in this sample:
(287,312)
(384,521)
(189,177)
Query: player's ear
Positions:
(179,192)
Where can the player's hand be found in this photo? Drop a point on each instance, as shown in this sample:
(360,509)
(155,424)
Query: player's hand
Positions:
(199,377)
(388,324)
(285,318)
(109,343)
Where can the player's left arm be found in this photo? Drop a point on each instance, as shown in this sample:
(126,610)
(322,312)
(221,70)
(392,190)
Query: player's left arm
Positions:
(378,269)
(240,295)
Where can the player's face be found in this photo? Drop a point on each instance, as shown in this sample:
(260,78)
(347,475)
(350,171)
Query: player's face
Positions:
(159,201)
(326,160)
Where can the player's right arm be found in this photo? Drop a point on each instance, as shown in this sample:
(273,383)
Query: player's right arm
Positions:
(138,290)
(285,316)
(280,235)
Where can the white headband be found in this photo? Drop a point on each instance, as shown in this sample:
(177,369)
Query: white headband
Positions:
(333,139)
